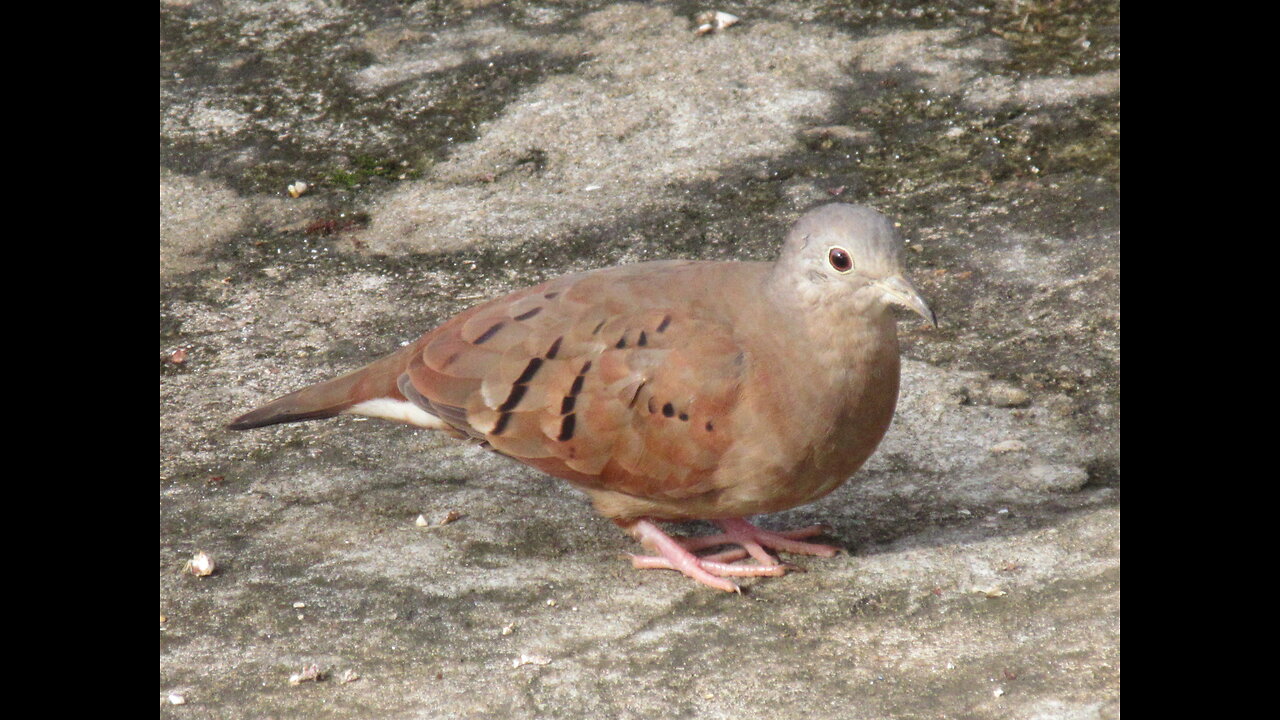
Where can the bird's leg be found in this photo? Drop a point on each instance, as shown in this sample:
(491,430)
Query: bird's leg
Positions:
(677,553)
(709,570)
(737,531)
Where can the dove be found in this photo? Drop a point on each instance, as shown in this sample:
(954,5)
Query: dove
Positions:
(672,390)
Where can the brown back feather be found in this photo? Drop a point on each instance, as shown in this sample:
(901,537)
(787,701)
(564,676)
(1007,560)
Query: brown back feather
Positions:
(595,378)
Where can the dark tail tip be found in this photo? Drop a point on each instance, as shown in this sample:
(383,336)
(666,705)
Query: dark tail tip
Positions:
(246,422)
(332,397)
(272,414)
(251,420)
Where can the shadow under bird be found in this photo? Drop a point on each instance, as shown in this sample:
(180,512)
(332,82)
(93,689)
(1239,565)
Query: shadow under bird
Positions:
(672,390)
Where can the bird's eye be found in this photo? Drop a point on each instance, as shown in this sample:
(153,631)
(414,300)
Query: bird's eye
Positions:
(840,260)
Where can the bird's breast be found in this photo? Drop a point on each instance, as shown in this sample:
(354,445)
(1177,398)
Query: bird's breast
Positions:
(820,419)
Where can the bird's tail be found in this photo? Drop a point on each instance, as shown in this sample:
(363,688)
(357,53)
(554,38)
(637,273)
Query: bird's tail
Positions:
(375,381)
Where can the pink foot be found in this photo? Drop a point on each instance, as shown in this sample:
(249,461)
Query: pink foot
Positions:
(677,553)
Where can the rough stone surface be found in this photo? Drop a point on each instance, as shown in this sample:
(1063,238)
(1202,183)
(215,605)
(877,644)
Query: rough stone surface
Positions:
(457,151)
(1045,477)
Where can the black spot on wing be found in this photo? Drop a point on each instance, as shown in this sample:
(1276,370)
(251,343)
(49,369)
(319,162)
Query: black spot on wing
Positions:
(529,371)
(566,405)
(521,384)
(555,348)
(636,396)
(487,335)
(566,428)
(513,399)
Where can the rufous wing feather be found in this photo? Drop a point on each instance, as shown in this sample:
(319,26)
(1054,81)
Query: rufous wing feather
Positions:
(590,379)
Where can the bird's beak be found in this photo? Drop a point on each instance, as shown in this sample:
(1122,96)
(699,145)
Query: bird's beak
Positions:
(898,291)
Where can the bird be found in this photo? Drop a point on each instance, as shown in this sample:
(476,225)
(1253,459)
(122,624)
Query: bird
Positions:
(670,390)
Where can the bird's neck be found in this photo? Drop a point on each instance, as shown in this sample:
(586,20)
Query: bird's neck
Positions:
(839,329)
(840,358)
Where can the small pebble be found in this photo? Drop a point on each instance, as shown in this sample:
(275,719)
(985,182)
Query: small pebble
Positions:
(1003,395)
(1052,478)
(310,673)
(714,21)
(528,659)
(201,565)
(842,134)
(1007,446)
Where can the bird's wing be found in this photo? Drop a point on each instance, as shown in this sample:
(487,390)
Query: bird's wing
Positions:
(594,378)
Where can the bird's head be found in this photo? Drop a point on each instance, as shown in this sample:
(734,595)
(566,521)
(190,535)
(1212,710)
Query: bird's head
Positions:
(839,253)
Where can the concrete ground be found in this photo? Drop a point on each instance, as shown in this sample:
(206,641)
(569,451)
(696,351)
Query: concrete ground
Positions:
(456,151)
